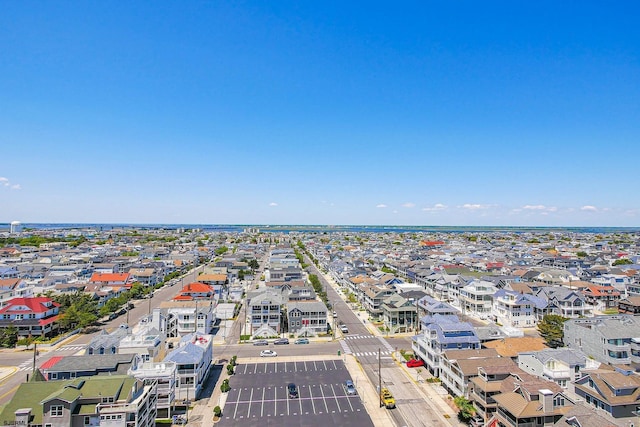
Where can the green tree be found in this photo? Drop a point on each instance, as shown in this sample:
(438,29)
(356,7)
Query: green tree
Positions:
(221,250)
(581,254)
(622,261)
(9,336)
(253,264)
(551,329)
(467,411)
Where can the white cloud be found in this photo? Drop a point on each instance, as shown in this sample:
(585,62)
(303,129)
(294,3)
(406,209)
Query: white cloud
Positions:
(7,183)
(381,205)
(273,204)
(589,208)
(543,208)
(474,206)
(436,207)
(408,205)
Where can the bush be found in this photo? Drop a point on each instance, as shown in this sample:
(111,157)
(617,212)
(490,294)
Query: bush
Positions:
(217,411)
(225,387)
(230,369)
(233,360)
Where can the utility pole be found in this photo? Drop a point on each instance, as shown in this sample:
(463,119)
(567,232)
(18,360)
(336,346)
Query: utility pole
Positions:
(379,379)
(35,353)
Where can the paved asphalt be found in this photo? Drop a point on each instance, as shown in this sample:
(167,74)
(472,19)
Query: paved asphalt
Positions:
(259,396)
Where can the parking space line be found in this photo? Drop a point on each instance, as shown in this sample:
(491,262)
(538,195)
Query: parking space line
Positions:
(275,400)
(304,363)
(285,366)
(300,398)
(235,412)
(250,399)
(262,402)
(288,412)
(314,366)
(335,397)
(324,400)
(255,369)
(313,405)
(324,362)
(245,369)
(349,400)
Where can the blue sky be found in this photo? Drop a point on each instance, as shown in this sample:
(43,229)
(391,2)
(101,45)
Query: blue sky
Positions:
(417,113)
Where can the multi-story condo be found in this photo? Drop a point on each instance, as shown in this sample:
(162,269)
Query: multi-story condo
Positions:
(186,317)
(616,393)
(116,400)
(441,333)
(560,365)
(476,298)
(485,386)
(32,316)
(372,298)
(607,339)
(602,297)
(458,367)
(563,302)
(165,375)
(516,310)
(306,318)
(532,404)
(265,312)
(399,314)
(192,355)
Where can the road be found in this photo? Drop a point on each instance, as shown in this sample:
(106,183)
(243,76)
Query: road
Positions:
(22,361)
(413,408)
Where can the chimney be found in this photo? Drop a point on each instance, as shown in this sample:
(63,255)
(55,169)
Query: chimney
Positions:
(546,397)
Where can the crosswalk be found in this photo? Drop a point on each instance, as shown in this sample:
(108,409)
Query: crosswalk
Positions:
(386,351)
(27,365)
(71,348)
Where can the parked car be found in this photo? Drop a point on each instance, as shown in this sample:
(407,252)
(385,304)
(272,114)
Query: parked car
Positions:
(281,341)
(268,353)
(344,329)
(335,314)
(387,398)
(301,341)
(351,389)
(293,390)
(414,363)
(261,342)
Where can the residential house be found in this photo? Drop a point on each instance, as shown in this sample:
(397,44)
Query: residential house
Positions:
(373,298)
(560,365)
(116,400)
(440,333)
(69,367)
(145,276)
(563,302)
(165,375)
(629,305)
(516,310)
(306,318)
(182,318)
(532,403)
(458,367)
(608,339)
(399,314)
(429,306)
(265,312)
(485,386)
(603,298)
(476,298)
(31,316)
(192,355)
(614,392)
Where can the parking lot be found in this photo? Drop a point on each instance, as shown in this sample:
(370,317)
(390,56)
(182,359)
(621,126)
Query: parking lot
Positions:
(259,397)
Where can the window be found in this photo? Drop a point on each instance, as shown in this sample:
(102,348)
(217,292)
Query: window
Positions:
(87,420)
(56,410)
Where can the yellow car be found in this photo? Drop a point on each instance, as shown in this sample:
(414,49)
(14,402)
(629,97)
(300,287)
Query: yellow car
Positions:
(387,398)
